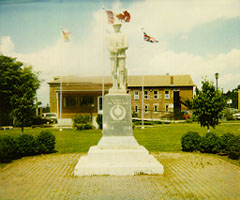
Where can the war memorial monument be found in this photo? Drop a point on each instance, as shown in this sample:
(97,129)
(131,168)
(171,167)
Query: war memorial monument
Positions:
(117,152)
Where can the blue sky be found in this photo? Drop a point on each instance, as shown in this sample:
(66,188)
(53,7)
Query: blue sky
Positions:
(195,37)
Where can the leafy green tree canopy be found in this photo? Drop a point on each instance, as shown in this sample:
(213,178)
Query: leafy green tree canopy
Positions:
(207,105)
(18,86)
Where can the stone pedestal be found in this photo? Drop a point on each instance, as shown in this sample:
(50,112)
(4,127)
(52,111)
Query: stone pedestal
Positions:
(118,152)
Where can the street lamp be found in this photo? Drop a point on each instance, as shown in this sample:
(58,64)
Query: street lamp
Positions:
(216,77)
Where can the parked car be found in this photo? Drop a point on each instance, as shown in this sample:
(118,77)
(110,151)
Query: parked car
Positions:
(236,116)
(6,128)
(50,117)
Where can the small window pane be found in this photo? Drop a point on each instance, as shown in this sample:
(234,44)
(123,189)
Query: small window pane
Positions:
(167,95)
(69,101)
(156,108)
(86,100)
(146,94)
(136,96)
(166,108)
(155,94)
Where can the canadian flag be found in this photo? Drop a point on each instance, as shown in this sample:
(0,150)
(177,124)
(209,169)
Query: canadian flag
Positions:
(124,16)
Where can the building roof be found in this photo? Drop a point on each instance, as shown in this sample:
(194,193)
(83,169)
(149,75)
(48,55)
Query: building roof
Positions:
(133,80)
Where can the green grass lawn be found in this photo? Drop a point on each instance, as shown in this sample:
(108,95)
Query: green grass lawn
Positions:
(165,138)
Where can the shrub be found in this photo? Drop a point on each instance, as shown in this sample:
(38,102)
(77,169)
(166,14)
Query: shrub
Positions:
(222,145)
(134,114)
(209,143)
(99,120)
(79,126)
(228,115)
(7,148)
(82,122)
(157,122)
(88,126)
(81,119)
(139,122)
(26,145)
(190,141)
(46,142)
(82,126)
(234,148)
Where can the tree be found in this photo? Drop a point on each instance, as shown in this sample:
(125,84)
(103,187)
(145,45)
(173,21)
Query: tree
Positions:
(234,96)
(18,86)
(207,105)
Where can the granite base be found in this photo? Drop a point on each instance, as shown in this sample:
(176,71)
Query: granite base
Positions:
(123,156)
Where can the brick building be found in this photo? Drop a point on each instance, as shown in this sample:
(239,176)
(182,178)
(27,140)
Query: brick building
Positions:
(163,94)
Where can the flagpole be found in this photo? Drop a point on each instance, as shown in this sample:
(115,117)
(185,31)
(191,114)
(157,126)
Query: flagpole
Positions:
(60,104)
(142,104)
(103,73)
(142,100)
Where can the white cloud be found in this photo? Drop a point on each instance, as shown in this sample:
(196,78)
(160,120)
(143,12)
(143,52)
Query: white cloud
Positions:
(6,45)
(180,16)
(90,57)
(227,65)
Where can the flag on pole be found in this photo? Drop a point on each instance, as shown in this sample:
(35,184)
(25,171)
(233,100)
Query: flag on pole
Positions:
(110,16)
(148,38)
(65,35)
(124,16)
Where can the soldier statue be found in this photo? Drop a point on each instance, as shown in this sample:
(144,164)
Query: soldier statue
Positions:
(117,45)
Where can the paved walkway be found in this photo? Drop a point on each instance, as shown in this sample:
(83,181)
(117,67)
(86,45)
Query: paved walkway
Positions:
(187,176)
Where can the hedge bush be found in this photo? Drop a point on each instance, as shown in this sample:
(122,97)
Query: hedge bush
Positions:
(26,145)
(227,144)
(81,119)
(46,142)
(234,148)
(190,141)
(7,148)
(223,144)
(209,143)
(82,122)
(82,126)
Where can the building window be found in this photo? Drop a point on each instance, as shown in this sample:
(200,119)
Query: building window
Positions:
(136,109)
(69,101)
(146,94)
(166,108)
(99,105)
(167,94)
(86,100)
(155,108)
(146,108)
(155,94)
(136,96)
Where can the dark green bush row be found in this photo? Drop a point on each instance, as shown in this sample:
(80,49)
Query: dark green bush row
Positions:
(139,122)
(26,145)
(227,144)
